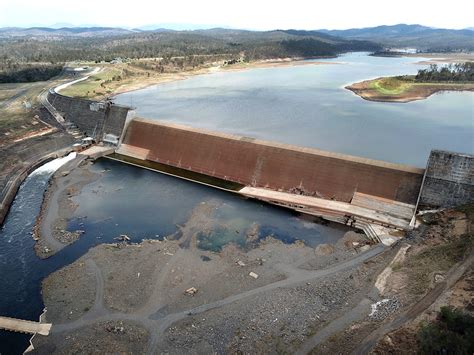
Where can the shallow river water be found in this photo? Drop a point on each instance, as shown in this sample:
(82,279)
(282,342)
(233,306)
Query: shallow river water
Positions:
(308,106)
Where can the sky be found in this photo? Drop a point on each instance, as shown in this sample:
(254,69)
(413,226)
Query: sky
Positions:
(245,14)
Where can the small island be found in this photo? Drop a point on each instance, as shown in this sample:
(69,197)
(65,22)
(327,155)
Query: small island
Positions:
(406,88)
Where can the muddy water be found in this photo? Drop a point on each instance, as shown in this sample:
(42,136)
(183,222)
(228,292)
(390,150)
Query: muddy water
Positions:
(139,203)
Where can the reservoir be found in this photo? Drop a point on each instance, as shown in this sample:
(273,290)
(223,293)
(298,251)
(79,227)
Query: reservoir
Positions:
(308,105)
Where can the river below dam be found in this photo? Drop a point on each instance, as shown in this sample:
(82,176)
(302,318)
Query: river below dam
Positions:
(307,105)
(142,204)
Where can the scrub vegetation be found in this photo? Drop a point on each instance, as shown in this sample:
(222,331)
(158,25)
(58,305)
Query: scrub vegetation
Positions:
(452,332)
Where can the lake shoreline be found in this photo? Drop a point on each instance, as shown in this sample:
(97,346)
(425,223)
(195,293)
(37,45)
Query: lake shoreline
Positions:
(263,64)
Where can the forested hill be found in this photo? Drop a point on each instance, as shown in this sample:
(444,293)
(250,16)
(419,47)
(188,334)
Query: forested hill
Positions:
(105,44)
(416,36)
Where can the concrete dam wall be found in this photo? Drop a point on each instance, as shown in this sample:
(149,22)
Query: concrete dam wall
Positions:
(96,119)
(449,180)
(270,165)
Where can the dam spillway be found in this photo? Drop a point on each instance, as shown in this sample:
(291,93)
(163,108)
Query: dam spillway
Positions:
(269,165)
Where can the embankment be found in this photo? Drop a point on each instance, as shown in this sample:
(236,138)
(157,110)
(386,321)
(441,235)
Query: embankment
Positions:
(279,167)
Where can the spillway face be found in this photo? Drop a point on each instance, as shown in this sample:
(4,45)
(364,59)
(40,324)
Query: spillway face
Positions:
(449,180)
(269,165)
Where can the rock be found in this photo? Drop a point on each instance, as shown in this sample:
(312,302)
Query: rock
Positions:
(324,249)
(383,308)
(124,238)
(253,233)
(115,329)
(254,275)
(351,237)
(191,291)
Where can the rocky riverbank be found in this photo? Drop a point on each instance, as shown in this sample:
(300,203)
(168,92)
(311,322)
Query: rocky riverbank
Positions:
(51,233)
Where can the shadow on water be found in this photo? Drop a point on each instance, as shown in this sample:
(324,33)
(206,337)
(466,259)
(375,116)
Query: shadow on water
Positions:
(133,201)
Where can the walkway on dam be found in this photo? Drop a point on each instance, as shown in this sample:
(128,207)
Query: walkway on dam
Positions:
(24,326)
(325,207)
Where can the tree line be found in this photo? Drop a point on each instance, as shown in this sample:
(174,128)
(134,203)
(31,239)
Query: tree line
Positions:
(30,73)
(459,72)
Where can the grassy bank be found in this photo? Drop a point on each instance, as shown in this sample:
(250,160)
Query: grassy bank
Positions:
(403,89)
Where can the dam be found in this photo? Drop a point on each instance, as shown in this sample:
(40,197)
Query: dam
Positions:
(351,190)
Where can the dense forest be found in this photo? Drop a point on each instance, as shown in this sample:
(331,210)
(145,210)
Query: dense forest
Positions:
(30,73)
(459,72)
(15,52)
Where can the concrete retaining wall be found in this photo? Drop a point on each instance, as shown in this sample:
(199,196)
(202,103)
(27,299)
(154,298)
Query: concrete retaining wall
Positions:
(271,165)
(449,180)
(38,151)
(94,118)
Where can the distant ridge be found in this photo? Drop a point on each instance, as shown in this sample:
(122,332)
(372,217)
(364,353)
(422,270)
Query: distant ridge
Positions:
(416,36)
(63,31)
(401,35)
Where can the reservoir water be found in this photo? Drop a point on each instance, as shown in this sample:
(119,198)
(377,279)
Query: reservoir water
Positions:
(308,105)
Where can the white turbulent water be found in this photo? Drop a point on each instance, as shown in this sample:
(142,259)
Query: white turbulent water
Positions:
(53,165)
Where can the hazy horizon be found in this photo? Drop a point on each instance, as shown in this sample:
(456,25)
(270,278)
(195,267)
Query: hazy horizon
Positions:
(247,14)
(196,26)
